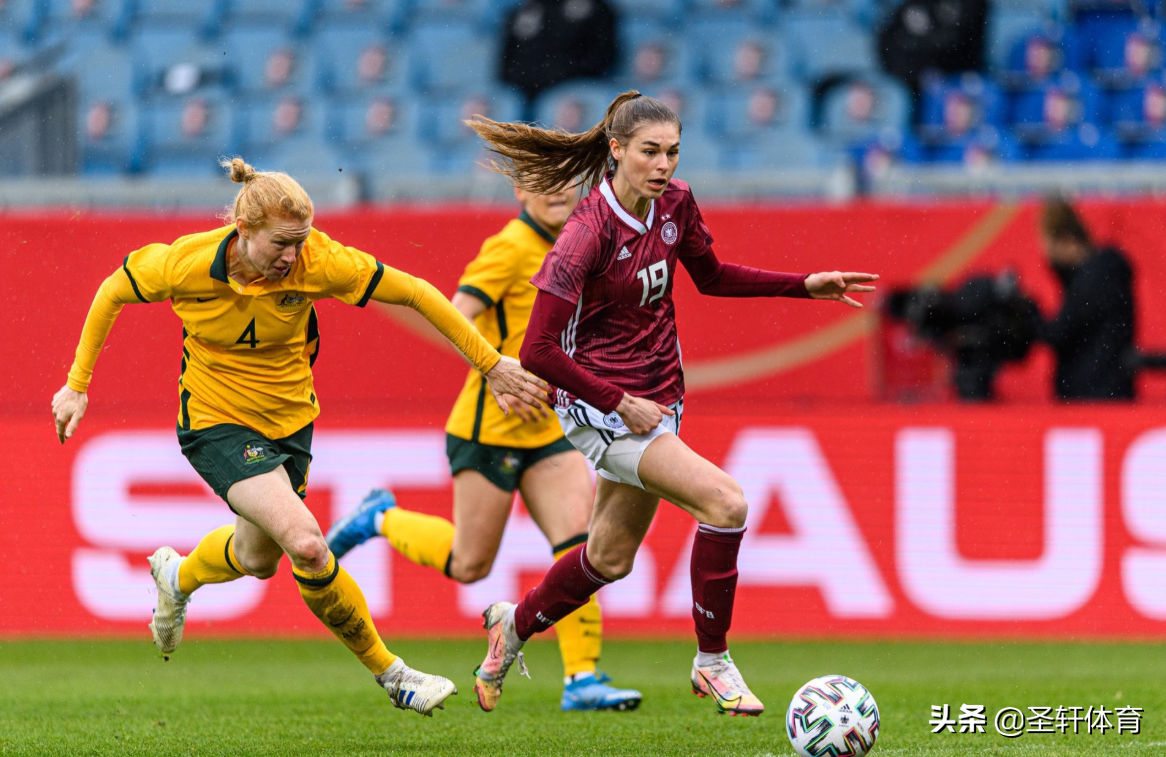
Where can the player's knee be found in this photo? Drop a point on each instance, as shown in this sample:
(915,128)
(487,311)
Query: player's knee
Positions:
(612,564)
(470,571)
(310,552)
(729,508)
(262,568)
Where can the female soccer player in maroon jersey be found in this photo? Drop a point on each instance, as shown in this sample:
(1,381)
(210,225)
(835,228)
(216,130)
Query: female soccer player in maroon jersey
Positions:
(603,332)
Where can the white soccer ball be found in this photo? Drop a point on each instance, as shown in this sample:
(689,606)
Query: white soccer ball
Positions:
(832,716)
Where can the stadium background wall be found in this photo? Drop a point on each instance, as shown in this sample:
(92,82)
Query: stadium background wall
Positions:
(1018,519)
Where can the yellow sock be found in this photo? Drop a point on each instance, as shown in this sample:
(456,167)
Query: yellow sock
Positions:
(423,539)
(580,633)
(213,561)
(333,596)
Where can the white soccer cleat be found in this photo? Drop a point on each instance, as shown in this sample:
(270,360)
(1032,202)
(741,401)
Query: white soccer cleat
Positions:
(413,690)
(723,683)
(170,610)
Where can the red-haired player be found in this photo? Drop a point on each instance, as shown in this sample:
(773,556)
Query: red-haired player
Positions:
(603,331)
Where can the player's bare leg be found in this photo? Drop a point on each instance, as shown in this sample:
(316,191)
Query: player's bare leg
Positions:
(270,504)
(480,512)
(672,470)
(557,492)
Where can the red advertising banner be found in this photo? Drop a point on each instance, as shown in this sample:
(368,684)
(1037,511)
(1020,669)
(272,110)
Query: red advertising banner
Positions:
(1019,519)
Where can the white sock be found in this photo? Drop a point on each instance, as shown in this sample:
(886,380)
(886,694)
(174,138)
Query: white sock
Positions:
(392,672)
(172,578)
(511,632)
(705,659)
(378,521)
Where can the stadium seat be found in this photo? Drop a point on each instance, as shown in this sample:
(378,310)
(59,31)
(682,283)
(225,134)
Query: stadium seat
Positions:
(168,62)
(1082,142)
(442,118)
(451,58)
(752,12)
(669,13)
(1042,54)
(288,133)
(355,58)
(203,18)
(104,72)
(574,106)
(756,112)
(379,131)
(1122,50)
(651,55)
(1007,25)
(266,60)
(293,16)
(830,45)
(388,15)
(187,137)
(22,19)
(110,136)
(978,147)
(731,55)
(864,106)
(954,105)
(1049,107)
(1137,116)
(862,11)
(774,152)
(483,16)
(110,18)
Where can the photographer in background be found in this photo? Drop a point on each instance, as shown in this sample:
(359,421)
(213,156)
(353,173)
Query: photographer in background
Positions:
(1092,334)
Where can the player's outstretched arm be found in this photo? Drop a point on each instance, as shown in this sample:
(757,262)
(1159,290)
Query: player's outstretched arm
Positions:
(70,402)
(836,285)
(504,375)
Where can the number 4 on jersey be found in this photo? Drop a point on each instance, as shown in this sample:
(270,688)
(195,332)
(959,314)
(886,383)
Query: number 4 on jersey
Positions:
(248,335)
(655,279)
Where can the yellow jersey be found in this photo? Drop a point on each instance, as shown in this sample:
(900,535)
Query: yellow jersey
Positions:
(500,277)
(247,350)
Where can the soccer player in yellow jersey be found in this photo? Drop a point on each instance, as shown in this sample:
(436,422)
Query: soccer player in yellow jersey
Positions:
(246,294)
(492,454)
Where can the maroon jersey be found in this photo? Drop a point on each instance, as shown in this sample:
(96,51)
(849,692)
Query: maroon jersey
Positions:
(618,271)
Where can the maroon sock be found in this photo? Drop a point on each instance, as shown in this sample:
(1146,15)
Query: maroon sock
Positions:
(714,584)
(565,588)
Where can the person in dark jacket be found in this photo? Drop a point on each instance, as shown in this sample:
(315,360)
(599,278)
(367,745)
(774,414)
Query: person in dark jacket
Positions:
(551,41)
(1092,334)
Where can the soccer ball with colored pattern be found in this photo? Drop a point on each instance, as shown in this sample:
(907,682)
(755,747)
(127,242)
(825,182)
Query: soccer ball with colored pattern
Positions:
(832,716)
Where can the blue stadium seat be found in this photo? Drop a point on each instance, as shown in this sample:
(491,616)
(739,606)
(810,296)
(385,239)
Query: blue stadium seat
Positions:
(483,15)
(289,133)
(574,106)
(1137,115)
(751,11)
(388,15)
(958,103)
(266,60)
(862,11)
(785,150)
(204,18)
(22,19)
(976,148)
(665,12)
(104,72)
(865,106)
(830,45)
(442,118)
(354,58)
(731,55)
(187,138)
(1083,142)
(168,62)
(1041,54)
(1051,106)
(110,18)
(294,16)
(1006,25)
(451,58)
(652,54)
(379,131)
(756,112)
(110,136)
(1122,50)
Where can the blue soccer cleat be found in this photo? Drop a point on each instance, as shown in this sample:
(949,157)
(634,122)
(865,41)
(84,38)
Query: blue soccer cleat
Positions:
(590,691)
(359,525)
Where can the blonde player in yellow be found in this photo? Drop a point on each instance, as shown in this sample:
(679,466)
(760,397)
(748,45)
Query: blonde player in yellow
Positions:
(245,293)
(492,454)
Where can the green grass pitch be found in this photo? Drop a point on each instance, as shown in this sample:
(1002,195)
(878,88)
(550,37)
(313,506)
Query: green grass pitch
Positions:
(310,697)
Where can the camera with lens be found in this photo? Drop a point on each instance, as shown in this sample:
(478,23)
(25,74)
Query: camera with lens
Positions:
(981,324)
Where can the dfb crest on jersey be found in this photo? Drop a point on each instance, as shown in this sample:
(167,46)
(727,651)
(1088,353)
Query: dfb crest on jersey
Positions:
(669,233)
(612,420)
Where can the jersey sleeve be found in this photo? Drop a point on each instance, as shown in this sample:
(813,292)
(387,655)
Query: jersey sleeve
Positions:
(491,273)
(150,271)
(570,261)
(696,240)
(349,275)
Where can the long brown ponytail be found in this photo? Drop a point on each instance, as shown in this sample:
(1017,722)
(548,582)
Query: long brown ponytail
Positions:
(543,161)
